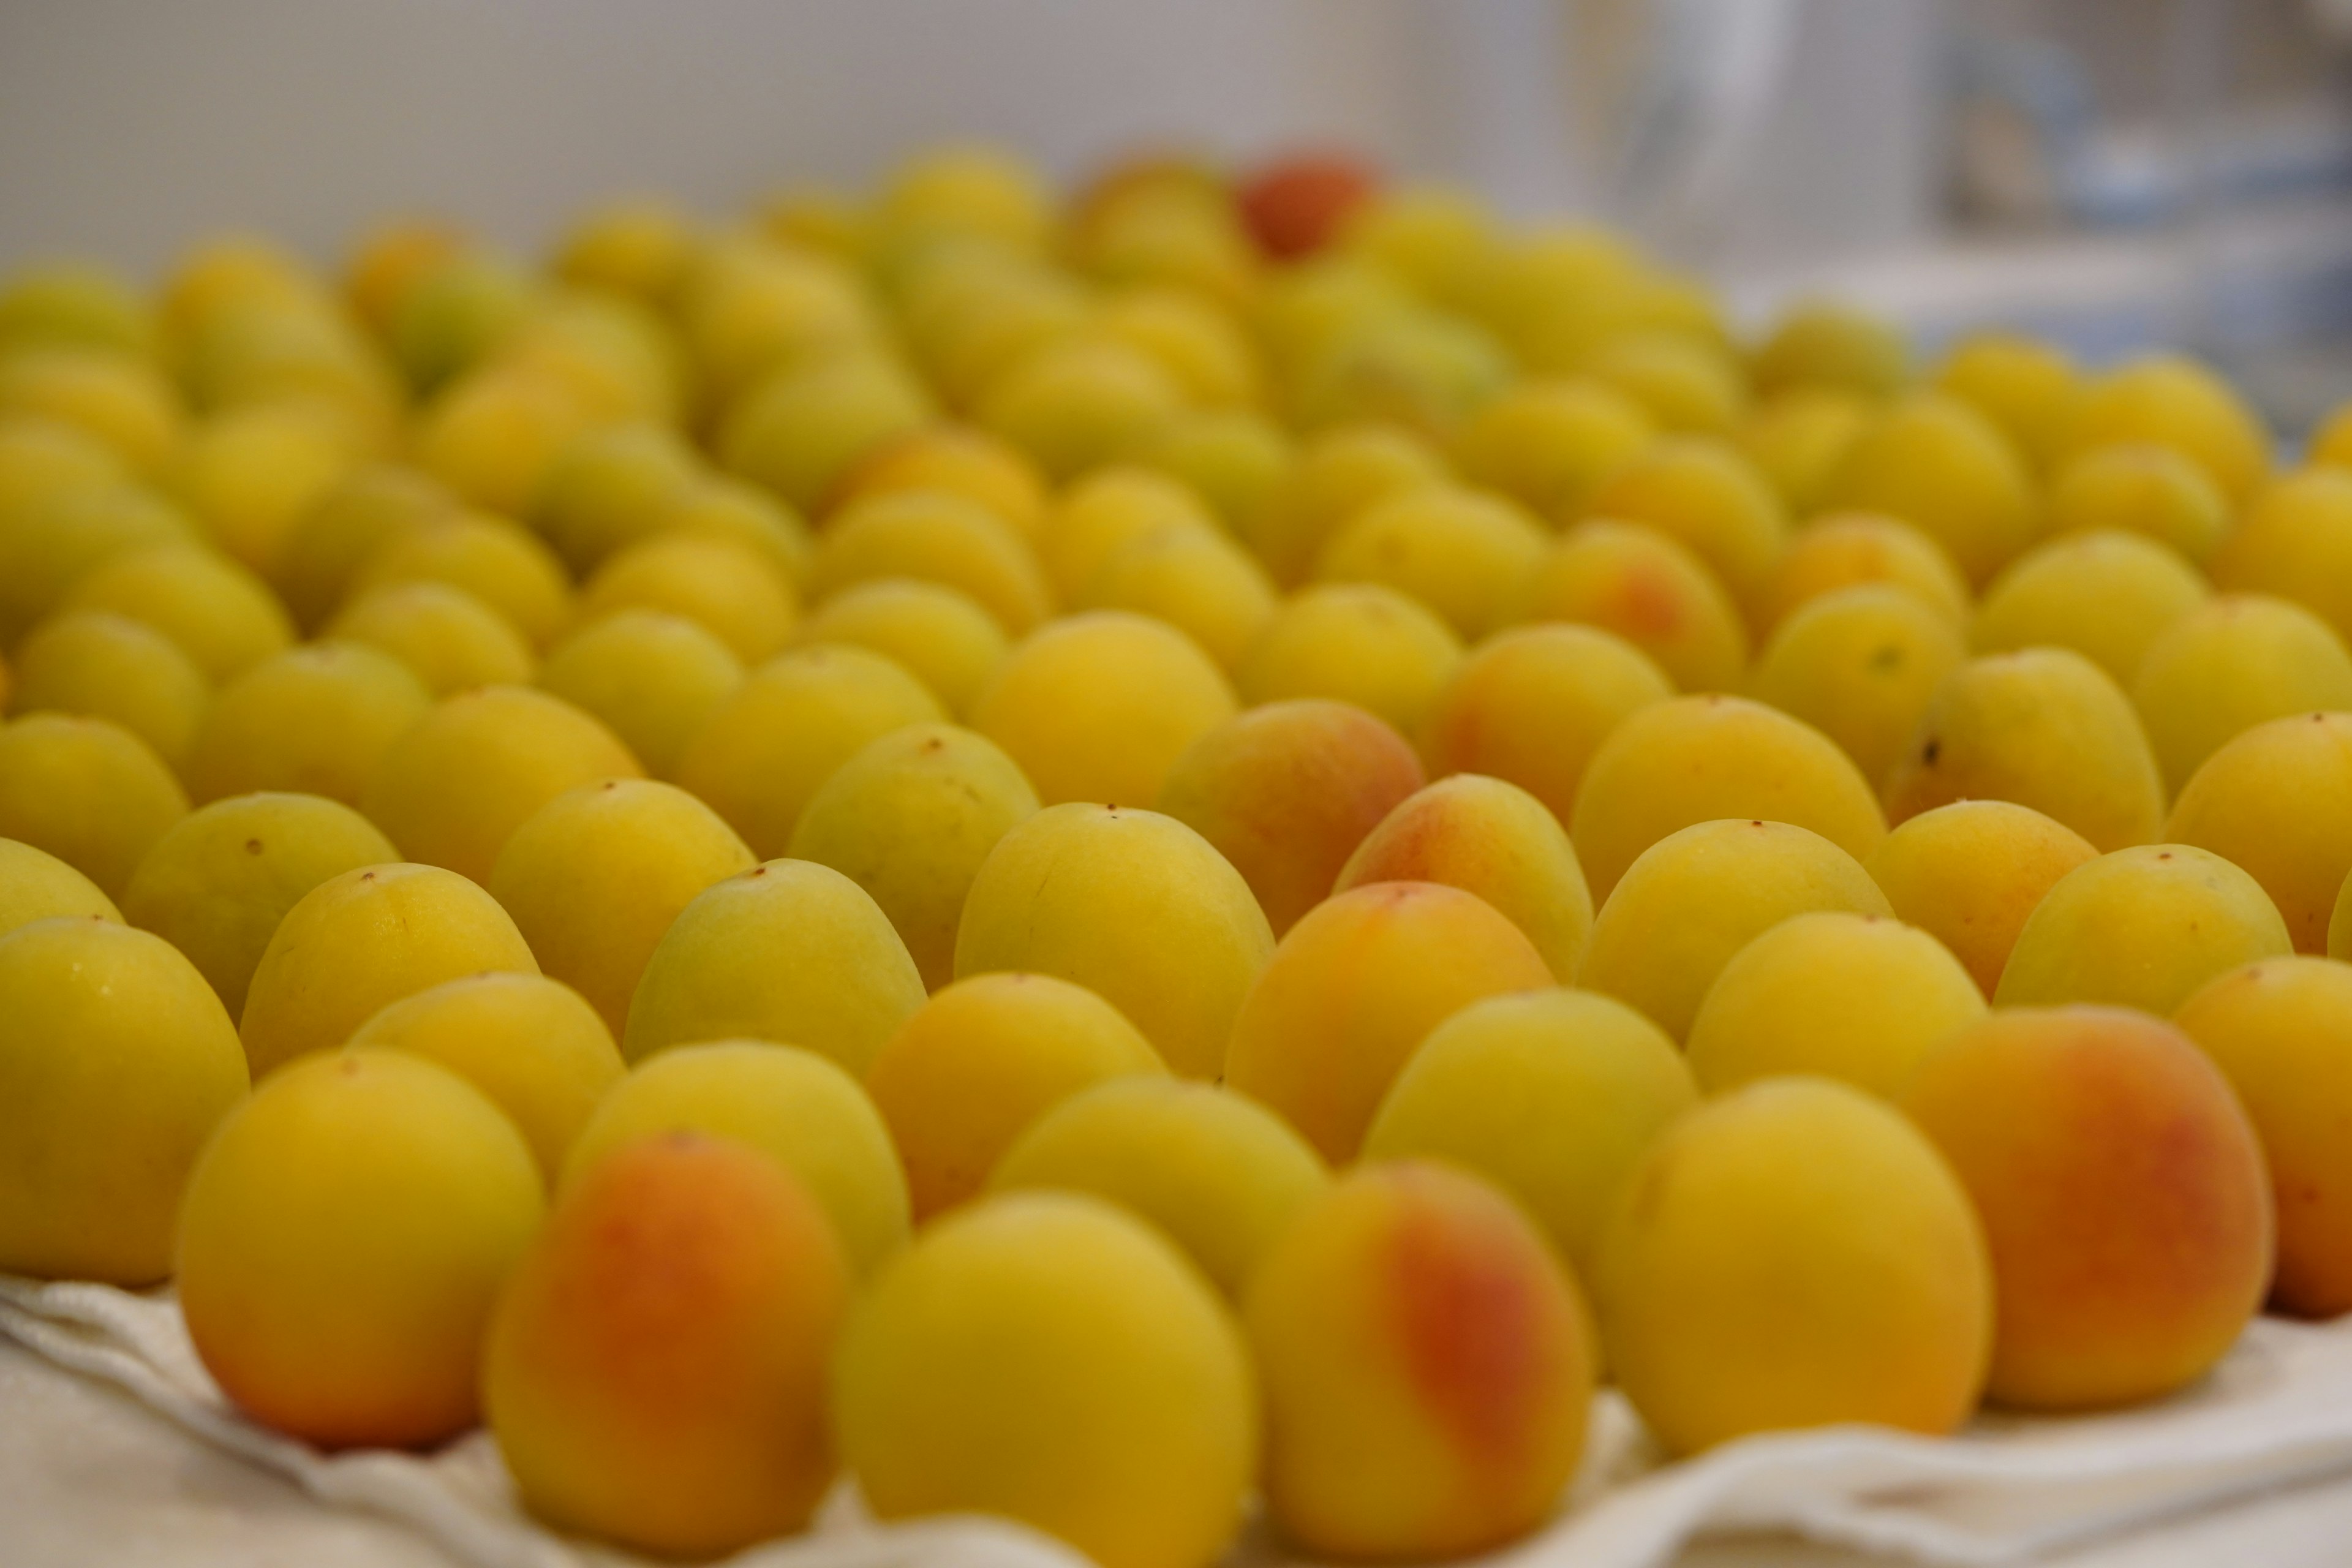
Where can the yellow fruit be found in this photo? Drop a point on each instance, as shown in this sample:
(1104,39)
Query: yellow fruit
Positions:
(1133,905)
(314,720)
(37,886)
(87,791)
(1689,387)
(980,1061)
(119,398)
(1797,438)
(1819,343)
(342,1243)
(1936,463)
(747,312)
(968,187)
(788,951)
(1641,584)
(2147,489)
(939,537)
(2045,727)
(104,666)
(1969,874)
(1465,553)
(2022,385)
(610,487)
(655,1371)
(251,475)
(217,883)
(495,438)
(360,940)
(1846,550)
(722,585)
(1710,499)
(2108,596)
(1352,990)
(1220,1173)
(452,317)
(2277,1031)
(595,876)
(1286,791)
(1353,642)
(49,544)
(1425,1368)
(1106,512)
(324,547)
(2295,540)
(2143,927)
(391,259)
(452,640)
(909,818)
(1694,759)
(764,753)
(73,304)
(1695,898)
(531,1044)
(2276,803)
(1749,1215)
(1492,839)
(802,430)
(496,561)
(1098,707)
(729,509)
(2231,664)
(455,785)
(637,245)
(1531,705)
(222,615)
(1554,1096)
(2167,400)
(116,1061)
(653,678)
(794,1106)
(1338,474)
(1135,1437)
(1547,442)
(1201,348)
(1201,583)
(960,461)
(1234,459)
(936,634)
(2053,1119)
(42,461)
(1861,665)
(1831,995)
(1072,405)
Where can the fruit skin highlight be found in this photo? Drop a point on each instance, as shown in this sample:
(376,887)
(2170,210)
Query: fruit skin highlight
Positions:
(1134,1436)
(654,1373)
(116,1063)
(2122,1195)
(1750,1214)
(341,1244)
(1425,1368)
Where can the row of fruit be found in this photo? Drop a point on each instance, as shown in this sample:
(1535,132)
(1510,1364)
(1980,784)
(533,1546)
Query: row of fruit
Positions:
(1094,860)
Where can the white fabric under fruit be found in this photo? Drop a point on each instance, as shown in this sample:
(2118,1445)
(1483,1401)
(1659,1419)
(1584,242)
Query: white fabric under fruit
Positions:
(2279,1410)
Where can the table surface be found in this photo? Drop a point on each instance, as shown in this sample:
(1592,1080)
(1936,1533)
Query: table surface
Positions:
(88,1475)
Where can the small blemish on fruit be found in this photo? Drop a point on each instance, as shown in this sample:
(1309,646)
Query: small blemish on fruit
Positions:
(1930,751)
(253,845)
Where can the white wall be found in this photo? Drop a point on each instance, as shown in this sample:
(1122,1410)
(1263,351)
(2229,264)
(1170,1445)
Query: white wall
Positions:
(129,128)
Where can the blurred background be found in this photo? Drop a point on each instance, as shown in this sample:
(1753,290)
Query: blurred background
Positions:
(2112,173)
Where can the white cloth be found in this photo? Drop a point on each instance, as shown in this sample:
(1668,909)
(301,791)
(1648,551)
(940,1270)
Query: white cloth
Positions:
(2279,1410)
